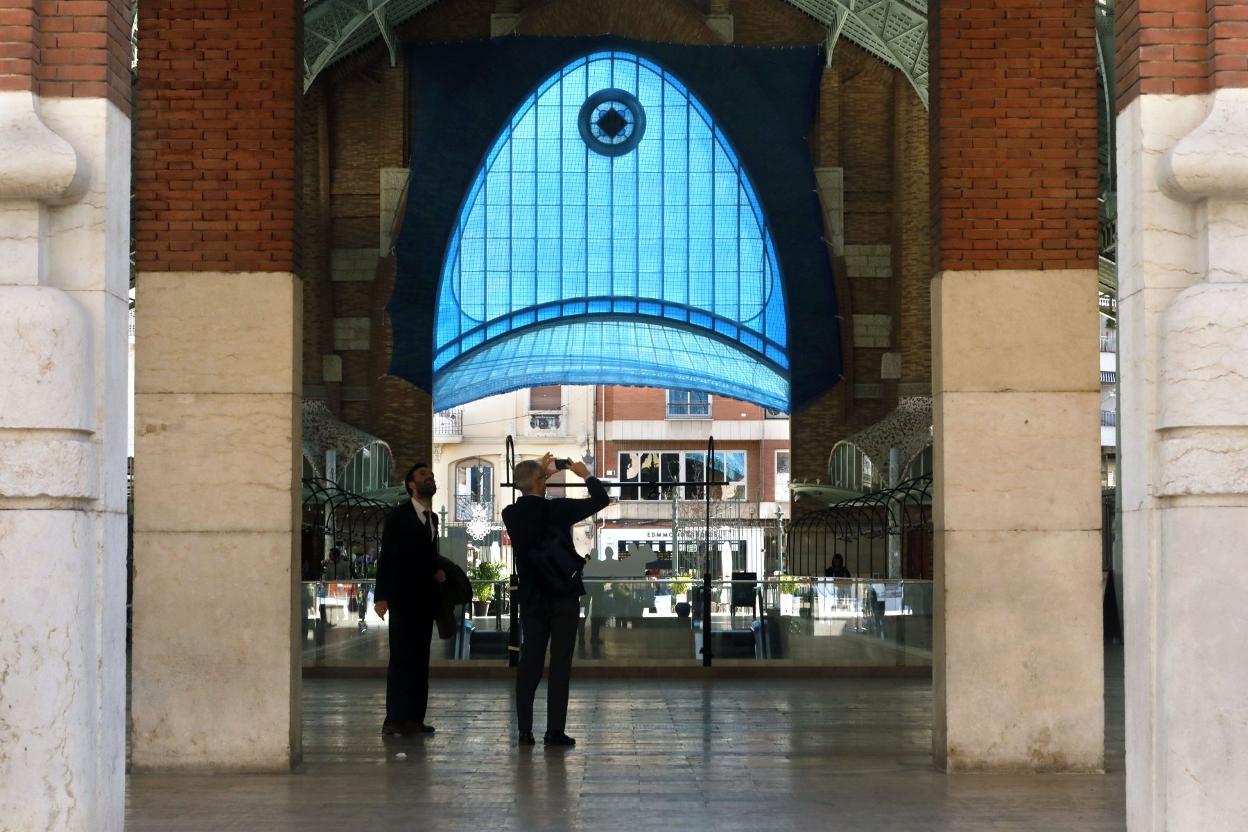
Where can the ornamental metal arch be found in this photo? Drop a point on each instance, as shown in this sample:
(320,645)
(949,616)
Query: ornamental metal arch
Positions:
(855,528)
(349,519)
(585,253)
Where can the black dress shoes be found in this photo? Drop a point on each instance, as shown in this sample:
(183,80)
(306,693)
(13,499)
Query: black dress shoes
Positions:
(526,738)
(559,739)
(391,729)
(417,728)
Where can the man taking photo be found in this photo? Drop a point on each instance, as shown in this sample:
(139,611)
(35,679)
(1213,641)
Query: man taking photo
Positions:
(549,610)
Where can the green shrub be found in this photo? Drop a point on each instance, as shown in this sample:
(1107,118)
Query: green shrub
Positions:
(680,584)
(489,570)
(789,585)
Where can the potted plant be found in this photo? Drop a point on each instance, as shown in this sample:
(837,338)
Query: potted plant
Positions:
(484,576)
(789,589)
(679,584)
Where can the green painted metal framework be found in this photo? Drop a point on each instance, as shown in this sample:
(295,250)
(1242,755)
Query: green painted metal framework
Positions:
(895,31)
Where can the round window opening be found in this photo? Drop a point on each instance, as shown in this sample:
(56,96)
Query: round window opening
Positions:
(612,122)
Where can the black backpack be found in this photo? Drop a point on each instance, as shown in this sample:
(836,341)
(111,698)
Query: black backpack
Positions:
(556,566)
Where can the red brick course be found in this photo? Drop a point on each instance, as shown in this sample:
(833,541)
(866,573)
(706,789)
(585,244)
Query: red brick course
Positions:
(1014,165)
(1180,47)
(66,48)
(216,166)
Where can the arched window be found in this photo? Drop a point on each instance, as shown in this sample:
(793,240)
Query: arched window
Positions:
(474,486)
(611,235)
(851,469)
(369,469)
(921,464)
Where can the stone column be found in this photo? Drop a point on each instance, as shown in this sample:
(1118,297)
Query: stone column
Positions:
(1018,661)
(1183,350)
(216,665)
(64,242)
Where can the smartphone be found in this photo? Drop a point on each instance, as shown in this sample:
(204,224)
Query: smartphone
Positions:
(561,464)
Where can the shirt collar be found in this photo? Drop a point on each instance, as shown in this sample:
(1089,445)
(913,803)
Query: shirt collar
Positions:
(420,510)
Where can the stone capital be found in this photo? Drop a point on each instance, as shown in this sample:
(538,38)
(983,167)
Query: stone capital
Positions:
(36,163)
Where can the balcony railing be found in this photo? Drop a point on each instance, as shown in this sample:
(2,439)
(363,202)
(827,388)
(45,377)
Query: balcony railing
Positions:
(1109,342)
(448,424)
(545,424)
(688,410)
(1109,418)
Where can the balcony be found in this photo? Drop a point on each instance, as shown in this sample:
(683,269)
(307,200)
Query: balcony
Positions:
(545,423)
(448,426)
(688,410)
(1109,342)
(1109,418)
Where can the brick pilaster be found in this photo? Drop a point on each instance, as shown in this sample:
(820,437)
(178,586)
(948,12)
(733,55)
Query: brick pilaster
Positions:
(216,166)
(66,48)
(1014,181)
(1180,47)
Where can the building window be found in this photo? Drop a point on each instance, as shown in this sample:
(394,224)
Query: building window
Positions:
(474,486)
(688,404)
(649,470)
(920,466)
(369,469)
(546,399)
(782,476)
(772,413)
(851,469)
(545,411)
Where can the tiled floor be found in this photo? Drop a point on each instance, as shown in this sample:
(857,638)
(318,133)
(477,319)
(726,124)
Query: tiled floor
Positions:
(720,755)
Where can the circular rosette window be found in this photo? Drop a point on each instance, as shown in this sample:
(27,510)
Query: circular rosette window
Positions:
(612,122)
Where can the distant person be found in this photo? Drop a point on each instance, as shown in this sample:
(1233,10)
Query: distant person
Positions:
(338,568)
(837,569)
(407,588)
(548,613)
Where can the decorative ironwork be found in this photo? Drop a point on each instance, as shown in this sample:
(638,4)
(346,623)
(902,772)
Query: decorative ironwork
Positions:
(859,529)
(347,517)
(470,506)
(612,122)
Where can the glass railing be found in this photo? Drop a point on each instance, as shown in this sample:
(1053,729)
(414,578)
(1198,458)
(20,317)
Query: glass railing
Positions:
(820,622)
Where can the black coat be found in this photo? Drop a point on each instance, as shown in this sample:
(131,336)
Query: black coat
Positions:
(407,562)
(524,522)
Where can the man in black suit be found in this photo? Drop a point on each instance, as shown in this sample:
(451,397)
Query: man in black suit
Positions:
(407,588)
(546,618)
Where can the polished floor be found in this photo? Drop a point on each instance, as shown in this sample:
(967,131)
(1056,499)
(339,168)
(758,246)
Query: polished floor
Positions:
(720,755)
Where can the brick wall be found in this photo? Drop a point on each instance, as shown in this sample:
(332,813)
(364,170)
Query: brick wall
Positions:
(66,48)
(215,164)
(911,250)
(659,20)
(1180,47)
(1014,177)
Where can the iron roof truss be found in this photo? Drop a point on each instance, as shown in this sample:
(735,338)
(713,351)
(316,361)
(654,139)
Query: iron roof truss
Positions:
(895,31)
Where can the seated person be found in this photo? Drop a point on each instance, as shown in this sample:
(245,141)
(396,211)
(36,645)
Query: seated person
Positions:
(837,569)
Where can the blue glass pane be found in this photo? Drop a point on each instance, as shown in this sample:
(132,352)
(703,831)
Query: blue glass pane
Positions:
(671,229)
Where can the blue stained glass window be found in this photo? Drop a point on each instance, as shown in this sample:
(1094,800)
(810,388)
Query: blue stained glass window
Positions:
(611,235)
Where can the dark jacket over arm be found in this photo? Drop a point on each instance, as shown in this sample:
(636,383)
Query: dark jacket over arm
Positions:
(525,524)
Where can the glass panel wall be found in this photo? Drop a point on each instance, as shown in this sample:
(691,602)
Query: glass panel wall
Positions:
(657,622)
